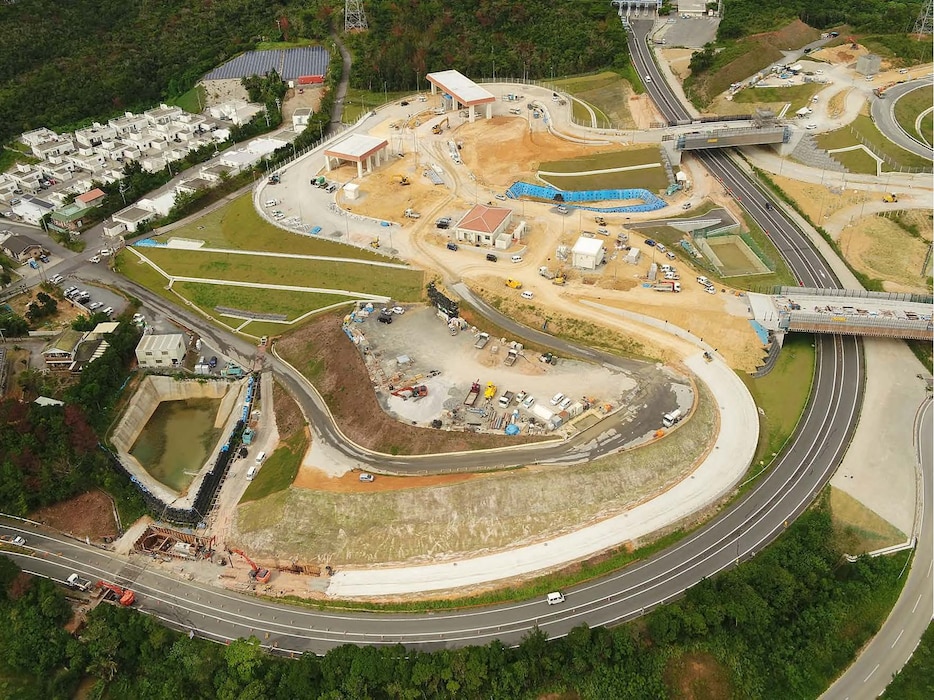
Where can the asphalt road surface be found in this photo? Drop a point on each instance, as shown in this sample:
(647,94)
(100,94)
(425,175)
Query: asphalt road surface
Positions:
(883,115)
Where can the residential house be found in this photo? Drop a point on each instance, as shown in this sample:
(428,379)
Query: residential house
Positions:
(133,217)
(485,225)
(92,198)
(32,209)
(70,217)
(59,353)
(37,136)
(22,248)
(161,351)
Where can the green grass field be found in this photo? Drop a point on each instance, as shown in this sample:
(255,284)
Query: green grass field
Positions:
(279,470)
(652,179)
(10,157)
(910,106)
(357,102)
(927,127)
(267,301)
(798,95)
(782,395)
(602,161)
(403,285)
(607,93)
(857,161)
(874,139)
(238,226)
(191,101)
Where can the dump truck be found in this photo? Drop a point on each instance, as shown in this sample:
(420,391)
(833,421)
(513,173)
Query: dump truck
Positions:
(667,286)
(514,284)
(411,214)
(511,357)
(490,390)
(482,340)
(506,399)
(473,394)
(890,198)
(669,419)
(75,581)
(546,273)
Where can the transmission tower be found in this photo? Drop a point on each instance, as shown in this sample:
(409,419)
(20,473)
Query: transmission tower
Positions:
(924,21)
(354,17)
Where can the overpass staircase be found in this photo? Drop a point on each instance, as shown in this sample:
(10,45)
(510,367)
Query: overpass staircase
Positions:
(809,153)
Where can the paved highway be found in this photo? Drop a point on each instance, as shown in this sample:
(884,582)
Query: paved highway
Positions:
(883,114)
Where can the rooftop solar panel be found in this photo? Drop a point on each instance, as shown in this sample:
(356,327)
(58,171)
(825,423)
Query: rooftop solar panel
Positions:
(289,63)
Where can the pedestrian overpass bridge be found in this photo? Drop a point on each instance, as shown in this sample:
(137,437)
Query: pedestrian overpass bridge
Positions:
(845,312)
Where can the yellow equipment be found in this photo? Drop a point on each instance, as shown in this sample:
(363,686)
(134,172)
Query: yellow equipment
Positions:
(438,128)
(890,197)
(374,243)
(490,390)
(401,179)
(515,284)
(559,278)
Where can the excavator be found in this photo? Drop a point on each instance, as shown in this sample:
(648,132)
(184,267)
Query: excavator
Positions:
(256,573)
(125,596)
(439,127)
(401,179)
(416,392)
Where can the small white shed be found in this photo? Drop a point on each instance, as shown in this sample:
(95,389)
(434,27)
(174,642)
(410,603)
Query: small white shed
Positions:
(632,257)
(587,253)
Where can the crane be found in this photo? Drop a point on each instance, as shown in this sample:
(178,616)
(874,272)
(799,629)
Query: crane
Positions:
(256,573)
(125,596)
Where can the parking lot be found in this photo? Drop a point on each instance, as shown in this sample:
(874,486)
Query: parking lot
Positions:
(417,348)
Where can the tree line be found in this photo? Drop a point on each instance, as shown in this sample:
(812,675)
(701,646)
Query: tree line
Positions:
(780,626)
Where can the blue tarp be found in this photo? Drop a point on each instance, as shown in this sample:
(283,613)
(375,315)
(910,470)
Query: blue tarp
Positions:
(512,429)
(760,330)
(148,243)
(572,199)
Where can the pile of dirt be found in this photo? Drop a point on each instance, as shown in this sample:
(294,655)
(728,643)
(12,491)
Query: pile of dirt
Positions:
(289,418)
(89,515)
(759,51)
(323,353)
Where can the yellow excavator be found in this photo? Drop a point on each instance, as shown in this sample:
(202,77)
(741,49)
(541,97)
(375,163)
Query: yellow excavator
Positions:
(559,279)
(438,128)
(401,179)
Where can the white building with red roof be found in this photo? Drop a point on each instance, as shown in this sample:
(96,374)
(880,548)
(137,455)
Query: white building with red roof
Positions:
(485,225)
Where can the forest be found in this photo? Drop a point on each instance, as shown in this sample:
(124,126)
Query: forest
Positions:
(780,626)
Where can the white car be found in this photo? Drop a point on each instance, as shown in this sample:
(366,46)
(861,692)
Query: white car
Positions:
(94,306)
(516,258)
(811,127)
(501,197)
(94,259)
(398,310)
(56,279)
(528,402)
(648,79)
(710,290)
(105,253)
(527,294)
(660,247)
(567,401)
(107,310)
(704,281)
(367,477)
(555,598)
(556,399)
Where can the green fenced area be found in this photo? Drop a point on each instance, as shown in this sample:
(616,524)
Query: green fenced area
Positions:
(403,285)
(909,107)
(735,257)
(603,161)
(238,226)
(653,179)
(862,130)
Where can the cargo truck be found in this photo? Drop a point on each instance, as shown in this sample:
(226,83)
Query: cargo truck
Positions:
(75,581)
(472,394)
(482,340)
(546,273)
(506,399)
(511,357)
(669,419)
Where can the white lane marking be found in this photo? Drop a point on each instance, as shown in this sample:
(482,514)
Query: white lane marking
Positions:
(916,603)
(870,673)
(897,638)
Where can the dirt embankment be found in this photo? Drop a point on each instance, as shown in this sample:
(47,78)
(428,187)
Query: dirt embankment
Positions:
(89,515)
(323,353)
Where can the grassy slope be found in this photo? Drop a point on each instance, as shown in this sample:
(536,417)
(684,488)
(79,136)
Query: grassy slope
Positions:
(864,127)
(910,106)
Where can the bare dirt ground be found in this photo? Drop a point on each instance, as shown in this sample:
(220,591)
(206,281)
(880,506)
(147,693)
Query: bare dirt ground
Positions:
(219,91)
(882,249)
(63,317)
(300,97)
(679,60)
(644,112)
(87,515)
(819,202)
(317,480)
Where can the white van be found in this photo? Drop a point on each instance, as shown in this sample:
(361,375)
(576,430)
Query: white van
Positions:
(260,457)
(250,473)
(555,598)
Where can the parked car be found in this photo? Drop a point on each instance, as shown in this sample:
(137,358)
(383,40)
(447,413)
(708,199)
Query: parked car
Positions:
(516,258)
(452,246)
(556,399)
(56,279)
(491,257)
(95,259)
(501,197)
(365,477)
(107,310)
(650,243)
(95,305)
(565,402)
(527,294)
(528,401)
(213,363)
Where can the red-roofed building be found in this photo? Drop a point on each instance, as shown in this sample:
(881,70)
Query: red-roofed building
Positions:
(91,199)
(485,225)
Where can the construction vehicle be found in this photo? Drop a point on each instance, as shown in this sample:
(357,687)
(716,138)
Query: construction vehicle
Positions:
(559,279)
(482,340)
(549,358)
(75,581)
(411,392)
(473,394)
(599,220)
(257,574)
(853,43)
(879,92)
(401,179)
(439,127)
(232,370)
(490,390)
(274,179)
(514,284)
(320,181)
(511,356)
(411,214)
(890,198)
(374,243)
(125,596)
(546,273)
(667,286)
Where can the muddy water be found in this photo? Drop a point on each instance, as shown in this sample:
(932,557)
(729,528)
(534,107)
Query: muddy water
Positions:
(177,440)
